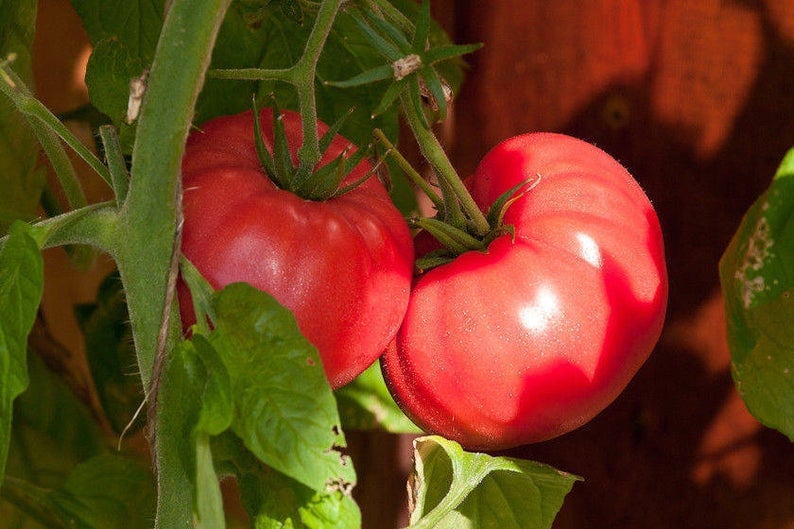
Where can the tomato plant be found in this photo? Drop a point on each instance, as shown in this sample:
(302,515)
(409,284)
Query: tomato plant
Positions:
(541,295)
(535,335)
(343,265)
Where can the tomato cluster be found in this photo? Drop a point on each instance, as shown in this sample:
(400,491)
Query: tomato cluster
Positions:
(523,341)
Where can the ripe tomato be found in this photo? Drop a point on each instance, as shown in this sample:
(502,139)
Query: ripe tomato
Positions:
(535,336)
(343,266)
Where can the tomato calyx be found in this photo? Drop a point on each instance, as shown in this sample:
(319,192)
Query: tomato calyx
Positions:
(456,240)
(308,182)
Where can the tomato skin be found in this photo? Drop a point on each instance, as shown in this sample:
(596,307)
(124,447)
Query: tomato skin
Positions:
(343,266)
(537,335)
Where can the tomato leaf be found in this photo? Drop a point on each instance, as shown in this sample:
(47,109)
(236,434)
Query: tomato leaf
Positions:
(757,276)
(111,355)
(53,432)
(21,286)
(105,492)
(20,178)
(285,412)
(122,50)
(276,501)
(366,404)
(194,403)
(110,68)
(452,488)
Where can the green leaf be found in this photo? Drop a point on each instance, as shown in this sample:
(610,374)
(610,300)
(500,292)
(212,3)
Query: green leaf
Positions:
(285,412)
(454,489)
(21,286)
(366,404)
(111,354)
(110,68)
(135,23)
(124,35)
(21,180)
(52,433)
(194,403)
(105,492)
(757,277)
(275,501)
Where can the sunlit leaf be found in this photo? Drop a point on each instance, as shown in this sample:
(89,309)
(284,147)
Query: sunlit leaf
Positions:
(454,489)
(757,277)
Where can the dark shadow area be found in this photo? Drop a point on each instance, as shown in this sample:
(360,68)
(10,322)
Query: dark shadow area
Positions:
(638,456)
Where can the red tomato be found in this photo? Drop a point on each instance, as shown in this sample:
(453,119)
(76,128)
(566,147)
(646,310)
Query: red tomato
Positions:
(535,336)
(343,266)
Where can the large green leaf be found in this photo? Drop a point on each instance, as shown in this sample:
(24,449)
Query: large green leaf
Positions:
(21,286)
(757,277)
(275,501)
(21,180)
(124,35)
(105,492)
(285,412)
(53,432)
(454,489)
(194,403)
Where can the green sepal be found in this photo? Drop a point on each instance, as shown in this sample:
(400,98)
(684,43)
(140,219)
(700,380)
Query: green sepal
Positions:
(437,92)
(387,49)
(455,239)
(500,206)
(422,27)
(265,158)
(391,95)
(433,259)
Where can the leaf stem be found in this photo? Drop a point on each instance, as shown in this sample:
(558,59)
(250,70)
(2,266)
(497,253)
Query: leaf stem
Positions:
(46,126)
(120,177)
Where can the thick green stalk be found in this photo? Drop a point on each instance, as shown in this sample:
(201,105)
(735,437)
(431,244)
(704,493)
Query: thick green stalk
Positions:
(151,215)
(150,224)
(412,174)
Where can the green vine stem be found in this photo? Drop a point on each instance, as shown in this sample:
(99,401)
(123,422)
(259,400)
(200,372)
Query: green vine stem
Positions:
(48,128)
(149,225)
(120,177)
(151,215)
(301,76)
(43,123)
(435,155)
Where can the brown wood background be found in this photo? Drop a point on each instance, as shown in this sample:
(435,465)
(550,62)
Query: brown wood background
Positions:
(696,98)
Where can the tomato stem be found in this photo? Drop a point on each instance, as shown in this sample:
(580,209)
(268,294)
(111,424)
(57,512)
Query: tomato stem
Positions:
(412,173)
(450,182)
(301,76)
